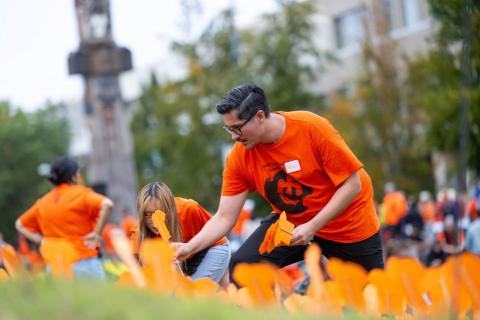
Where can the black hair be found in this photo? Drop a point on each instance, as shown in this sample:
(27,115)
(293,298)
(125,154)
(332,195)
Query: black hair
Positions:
(247,99)
(62,170)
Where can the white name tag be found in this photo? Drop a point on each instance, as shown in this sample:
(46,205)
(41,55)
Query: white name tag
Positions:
(292,166)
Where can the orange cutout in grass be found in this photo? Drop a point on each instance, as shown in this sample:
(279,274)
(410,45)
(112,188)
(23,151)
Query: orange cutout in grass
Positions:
(11,261)
(201,288)
(157,257)
(313,254)
(121,245)
(351,279)
(391,296)
(410,273)
(3,275)
(60,254)
(259,279)
(470,266)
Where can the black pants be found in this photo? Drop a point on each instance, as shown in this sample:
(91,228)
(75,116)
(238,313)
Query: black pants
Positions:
(367,253)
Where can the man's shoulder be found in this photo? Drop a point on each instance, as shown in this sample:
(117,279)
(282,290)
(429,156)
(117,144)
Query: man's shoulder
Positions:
(310,122)
(306,117)
(237,150)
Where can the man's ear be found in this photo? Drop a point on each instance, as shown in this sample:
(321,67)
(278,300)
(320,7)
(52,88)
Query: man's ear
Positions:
(261,115)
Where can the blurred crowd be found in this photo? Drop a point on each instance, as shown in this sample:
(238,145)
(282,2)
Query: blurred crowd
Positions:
(427,228)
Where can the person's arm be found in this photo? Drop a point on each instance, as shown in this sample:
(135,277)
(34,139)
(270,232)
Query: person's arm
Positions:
(30,235)
(217,227)
(105,212)
(340,200)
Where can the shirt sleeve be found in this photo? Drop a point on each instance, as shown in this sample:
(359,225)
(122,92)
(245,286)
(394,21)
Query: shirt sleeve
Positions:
(336,158)
(234,182)
(93,202)
(199,216)
(194,217)
(29,219)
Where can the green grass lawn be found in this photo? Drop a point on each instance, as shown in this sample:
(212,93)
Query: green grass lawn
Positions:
(48,299)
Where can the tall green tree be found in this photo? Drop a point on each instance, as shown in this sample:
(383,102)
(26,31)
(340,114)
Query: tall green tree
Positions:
(27,140)
(436,79)
(178,134)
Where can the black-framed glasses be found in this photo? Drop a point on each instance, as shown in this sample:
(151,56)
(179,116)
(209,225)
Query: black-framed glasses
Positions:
(237,129)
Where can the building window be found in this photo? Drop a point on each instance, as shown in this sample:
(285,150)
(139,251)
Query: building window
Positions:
(411,12)
(387,11)
(349,27)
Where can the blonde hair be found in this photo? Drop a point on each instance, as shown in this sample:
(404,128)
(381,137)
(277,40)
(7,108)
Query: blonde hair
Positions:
(161,192)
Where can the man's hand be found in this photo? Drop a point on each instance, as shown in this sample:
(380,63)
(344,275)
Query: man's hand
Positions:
(92,239)
(182,251)
(303,234)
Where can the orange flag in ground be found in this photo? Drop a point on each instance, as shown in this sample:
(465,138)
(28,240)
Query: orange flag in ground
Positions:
(122,247)
(3,275)
(452,282)
(470,267)
(201,288)
(433,286)
(158,219)
(410,272)
(259,279)
(157,257)
(11,261)
(60,255)
(313,254)
(351,279)
(391,296)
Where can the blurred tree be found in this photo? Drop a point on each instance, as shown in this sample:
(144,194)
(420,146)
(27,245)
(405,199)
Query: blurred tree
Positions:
(436,79)
(27,140)
(378,120)
(284,59)
(178,134)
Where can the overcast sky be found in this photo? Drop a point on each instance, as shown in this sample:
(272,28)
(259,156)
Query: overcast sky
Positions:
(37,36)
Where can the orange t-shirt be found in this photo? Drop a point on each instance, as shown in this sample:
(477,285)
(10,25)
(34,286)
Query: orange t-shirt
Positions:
(191,216)
(107,242)
(69,212)
(242,218)
(300,173)
(395,207)
(128,222)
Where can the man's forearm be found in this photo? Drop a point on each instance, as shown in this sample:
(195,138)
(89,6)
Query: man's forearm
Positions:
(340,200)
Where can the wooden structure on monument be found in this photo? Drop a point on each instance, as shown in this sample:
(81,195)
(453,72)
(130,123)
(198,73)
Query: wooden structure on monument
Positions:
(110,167)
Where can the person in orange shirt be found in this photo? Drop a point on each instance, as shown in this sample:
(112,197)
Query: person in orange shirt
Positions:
(184,219)
(301,165)
(72,212)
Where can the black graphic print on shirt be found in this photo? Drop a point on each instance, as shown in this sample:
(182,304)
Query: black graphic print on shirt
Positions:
(286,193)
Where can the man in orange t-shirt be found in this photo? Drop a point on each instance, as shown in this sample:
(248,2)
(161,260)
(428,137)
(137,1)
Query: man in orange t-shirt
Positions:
(300,164)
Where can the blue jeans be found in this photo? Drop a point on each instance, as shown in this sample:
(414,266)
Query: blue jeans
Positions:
(91,268)
(215,263)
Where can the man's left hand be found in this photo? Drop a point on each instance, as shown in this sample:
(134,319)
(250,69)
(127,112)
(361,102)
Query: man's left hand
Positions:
(303,234)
